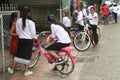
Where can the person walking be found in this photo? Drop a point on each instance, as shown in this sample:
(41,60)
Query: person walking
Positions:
(26,31)
(115,11)
(111,15)
(66,21)
(105,13)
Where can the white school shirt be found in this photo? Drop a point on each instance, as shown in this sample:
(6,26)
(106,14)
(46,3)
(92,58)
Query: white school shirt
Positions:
(80,17)
(111,9)
(94,21)
(66,21)
(60,33)
(84,12)
(115,9)
(29,31)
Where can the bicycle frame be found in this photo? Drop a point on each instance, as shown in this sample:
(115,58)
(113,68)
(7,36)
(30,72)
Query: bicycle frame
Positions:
(88,29)
(50,58)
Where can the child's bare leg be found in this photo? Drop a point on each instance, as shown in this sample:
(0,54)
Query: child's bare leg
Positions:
(54,54)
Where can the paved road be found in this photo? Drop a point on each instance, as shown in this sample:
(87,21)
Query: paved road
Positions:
(97,63)
(105,59)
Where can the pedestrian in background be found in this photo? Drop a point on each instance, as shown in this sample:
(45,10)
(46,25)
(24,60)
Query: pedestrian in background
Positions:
(26,31)
(66,21)
(105,13)
(111,15)
(84,10)
(115,11)
(80,18)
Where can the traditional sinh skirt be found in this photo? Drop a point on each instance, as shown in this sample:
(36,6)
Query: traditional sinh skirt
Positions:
(24,51)
(13,45)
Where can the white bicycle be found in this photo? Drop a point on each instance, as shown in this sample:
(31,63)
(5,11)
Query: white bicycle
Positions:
(83,39)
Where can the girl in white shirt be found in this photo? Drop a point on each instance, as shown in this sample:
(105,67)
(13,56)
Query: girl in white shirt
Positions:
(80,18)
(66,21)
(26,31)
(59,31)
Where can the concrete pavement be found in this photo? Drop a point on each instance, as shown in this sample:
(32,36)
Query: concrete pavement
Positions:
(106,58)
(42,71)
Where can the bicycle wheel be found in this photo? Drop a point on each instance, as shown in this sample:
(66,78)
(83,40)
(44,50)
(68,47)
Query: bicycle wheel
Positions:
(81,41)
(98,32)
(67,66)
(34,58)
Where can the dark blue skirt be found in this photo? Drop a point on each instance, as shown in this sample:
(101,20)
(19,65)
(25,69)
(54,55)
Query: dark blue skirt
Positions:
(24,51)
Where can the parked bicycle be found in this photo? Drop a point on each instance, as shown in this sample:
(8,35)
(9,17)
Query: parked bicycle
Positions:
(83,39)
(65,68)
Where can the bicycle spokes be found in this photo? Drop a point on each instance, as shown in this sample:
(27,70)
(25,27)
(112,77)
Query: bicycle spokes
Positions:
(66,67)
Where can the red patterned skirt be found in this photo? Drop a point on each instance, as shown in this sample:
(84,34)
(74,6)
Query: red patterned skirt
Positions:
(13,45)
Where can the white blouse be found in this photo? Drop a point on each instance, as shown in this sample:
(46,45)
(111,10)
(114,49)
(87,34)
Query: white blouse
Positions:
(66,22)
(80,17)
(115,9)
(93,21)
(29,31)
(60,33)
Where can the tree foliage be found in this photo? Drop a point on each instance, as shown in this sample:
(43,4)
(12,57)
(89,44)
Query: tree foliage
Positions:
(96,1)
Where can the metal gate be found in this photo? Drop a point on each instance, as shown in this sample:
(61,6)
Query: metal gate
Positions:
(5,58)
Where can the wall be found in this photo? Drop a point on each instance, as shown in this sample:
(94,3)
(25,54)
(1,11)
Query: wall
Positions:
(35,2)
(40,9)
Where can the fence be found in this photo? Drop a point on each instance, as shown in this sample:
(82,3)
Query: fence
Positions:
(8,7)
(5,12)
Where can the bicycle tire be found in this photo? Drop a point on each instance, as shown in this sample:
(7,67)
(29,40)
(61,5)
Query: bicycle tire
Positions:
(34,58)
(79,44)
(98,32)
(63,67)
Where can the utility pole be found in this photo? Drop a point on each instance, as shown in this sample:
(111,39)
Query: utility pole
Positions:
(60,10)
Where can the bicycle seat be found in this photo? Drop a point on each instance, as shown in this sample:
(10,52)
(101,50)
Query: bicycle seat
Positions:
(69,48)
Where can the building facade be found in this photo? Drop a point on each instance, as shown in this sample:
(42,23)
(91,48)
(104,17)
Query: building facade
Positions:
(40,9)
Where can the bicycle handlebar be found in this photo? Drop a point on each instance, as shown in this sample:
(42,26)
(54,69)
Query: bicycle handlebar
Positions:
(44,32)
(37,41)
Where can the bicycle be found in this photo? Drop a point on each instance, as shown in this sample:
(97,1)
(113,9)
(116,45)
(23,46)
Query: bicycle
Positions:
(68,59)
(83,39)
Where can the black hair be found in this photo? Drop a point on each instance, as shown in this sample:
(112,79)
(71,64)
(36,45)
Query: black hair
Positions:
(52,19)
(65,13)
(92,8)
(111,5)
(12,17)
(81,4)
(25,16)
